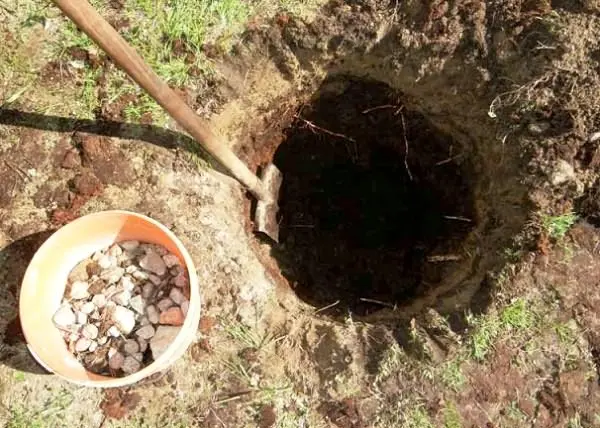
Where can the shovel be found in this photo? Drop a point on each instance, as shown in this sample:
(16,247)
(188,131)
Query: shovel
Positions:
(265,189)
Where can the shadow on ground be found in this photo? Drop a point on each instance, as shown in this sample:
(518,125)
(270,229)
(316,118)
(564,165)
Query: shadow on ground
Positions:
(14,260)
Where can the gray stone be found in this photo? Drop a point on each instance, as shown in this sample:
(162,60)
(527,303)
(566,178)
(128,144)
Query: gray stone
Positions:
(129,245)
(154,263)
(146,332)
(164,336)
(82,344)
(177,296)
(538,128)
(112,275)
(562,173)
(138,356)
(124,319)
(147,290)
(137,304)
(152,314)
(79,290)
(154,279)
(115,361)
(64,316)
(131,365)
(90,331)
(143,344)
(180,280)
(131,347)
(143,321)
(171,260)
(176,270)
(165,304)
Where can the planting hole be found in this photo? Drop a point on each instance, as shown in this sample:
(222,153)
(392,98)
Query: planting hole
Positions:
(375,201)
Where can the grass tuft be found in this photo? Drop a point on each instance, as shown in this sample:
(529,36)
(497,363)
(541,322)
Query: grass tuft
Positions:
(452,418)
(557,226)
(418,418)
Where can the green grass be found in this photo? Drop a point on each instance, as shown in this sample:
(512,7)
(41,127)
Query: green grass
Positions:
(516,317)
(557,226)
(452,375)
(452,418)
(49,415)
(418,418)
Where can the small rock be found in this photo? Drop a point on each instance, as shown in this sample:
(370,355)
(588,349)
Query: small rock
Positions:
(96,285)
(93,346)
(87,308)
(129,245)
(153,263)
(99,300)
(164,304)
(180,280)
(124,259)
(122,298)
(127,283)
(130,365)
(97,256)
(82,344)
(137,304)
(82,318)
(90,331)
(95,315)
(147,290)
(131,269)
(538,128)
(138,356)
(154,279)
(73,337)
(124,319)
(102,340)
(140,275)
(111,352)
(177,296)
(115,251)
(152,314)
(144,321)
(107,262)
(79,290)
(131,347)
(185,306)
(114,331)
(64,316)
(594,136)
(171,260)
(164,336)
(80,272)
(115,361)
(146,332)
(172,316)
(176,270)
(112,275)
(562,173)
(143,344)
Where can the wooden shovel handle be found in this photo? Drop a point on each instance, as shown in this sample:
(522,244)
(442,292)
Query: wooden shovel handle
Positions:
(101,32)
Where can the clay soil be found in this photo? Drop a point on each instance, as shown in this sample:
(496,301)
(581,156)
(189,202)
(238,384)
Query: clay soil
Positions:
(439,254)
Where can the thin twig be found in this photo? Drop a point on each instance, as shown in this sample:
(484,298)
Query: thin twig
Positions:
(444,258)
(335,134)
(218,418)
(311,226)
(450,159)
(324,308)
(379,302)
(369,110)
(458,218)
(405,147)
(18,170)
(235,396)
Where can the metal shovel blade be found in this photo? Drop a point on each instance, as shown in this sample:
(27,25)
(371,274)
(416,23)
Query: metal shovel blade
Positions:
(267,207)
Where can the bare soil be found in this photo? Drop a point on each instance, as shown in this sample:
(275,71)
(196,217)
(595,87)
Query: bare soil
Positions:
(490,99)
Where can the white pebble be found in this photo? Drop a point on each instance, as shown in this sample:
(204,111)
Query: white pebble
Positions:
(137,304)
(146,332)
(122,298)
(82,318)
(115,250)
(164,304)
(171,260)
(140,275)
(82,344)
(111,352)
(153,263)
(114,331)
(97,256)
(90,331)
(64,316)
(106,261)
(112,275)
(131,269)
(79,290)
(124,319)
(177,296)
(93,346)
(102,340)
(99,300)
(87,308)
(152,313)
(127,284)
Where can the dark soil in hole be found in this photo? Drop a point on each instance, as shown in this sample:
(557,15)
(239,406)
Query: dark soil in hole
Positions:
(362,219)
